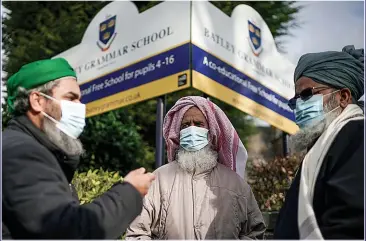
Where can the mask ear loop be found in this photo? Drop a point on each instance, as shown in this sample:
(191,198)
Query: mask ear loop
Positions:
(334,108)
(332,92)
(50,117)
(44,113)
(48,97)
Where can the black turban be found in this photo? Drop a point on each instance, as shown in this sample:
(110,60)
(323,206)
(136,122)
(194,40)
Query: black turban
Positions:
(336,69)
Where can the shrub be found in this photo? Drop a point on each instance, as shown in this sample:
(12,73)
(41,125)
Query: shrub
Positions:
(90,185)
(93,183)
(270,180)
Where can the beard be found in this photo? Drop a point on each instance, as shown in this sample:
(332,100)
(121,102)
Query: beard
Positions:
(70,146)
(305,138)
(198,161)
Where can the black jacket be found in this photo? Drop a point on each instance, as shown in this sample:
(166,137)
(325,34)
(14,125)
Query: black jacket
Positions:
(38,201)
(339,191)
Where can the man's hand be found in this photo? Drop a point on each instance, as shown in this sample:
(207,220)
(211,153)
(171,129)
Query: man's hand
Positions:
(140,180)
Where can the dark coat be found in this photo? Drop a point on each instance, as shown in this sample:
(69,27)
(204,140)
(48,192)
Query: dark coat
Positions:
(339,191)
(38,201)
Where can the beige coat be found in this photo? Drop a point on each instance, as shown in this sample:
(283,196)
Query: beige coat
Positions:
(217,204)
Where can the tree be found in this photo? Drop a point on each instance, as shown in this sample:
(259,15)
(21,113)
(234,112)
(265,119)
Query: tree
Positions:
(39,30)
(106,149)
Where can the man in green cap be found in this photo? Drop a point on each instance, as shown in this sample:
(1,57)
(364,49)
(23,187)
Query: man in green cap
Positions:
(41,151)
(326,198)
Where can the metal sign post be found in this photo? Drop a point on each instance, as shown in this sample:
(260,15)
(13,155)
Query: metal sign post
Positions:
(285,144)
(160,146)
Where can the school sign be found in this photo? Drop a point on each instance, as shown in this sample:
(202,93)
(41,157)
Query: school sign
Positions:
(126,57)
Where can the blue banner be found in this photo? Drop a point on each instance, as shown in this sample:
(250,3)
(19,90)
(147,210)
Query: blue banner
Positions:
(223,73)
(154,68)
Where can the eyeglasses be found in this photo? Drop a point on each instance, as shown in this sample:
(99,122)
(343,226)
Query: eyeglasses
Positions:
(305,95)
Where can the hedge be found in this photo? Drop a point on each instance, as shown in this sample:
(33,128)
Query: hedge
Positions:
(270,180)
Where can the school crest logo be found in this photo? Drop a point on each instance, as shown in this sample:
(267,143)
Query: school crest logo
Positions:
(107,33)
(255,38)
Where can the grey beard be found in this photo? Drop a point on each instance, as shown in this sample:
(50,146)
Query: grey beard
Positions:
(198,161)
(70,146)
(305,138)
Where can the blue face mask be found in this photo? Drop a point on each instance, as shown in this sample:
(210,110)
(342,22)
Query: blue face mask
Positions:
(310,111)
(193,138)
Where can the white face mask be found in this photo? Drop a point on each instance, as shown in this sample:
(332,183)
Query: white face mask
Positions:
(72,121)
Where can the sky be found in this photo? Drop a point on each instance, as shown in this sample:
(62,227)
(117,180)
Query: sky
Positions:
(327,25)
